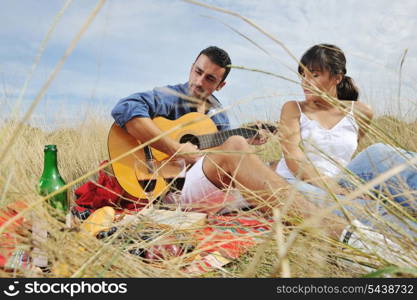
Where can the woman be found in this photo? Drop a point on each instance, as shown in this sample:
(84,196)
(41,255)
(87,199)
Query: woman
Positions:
(320,134)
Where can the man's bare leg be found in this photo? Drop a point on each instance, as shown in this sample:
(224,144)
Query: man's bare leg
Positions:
(248,170)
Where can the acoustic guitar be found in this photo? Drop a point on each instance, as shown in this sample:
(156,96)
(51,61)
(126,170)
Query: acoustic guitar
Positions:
(149,170)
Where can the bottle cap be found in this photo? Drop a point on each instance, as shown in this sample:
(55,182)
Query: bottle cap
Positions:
(50,148)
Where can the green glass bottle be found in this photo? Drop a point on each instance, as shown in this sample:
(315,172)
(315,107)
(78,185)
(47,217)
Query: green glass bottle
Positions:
(51,180)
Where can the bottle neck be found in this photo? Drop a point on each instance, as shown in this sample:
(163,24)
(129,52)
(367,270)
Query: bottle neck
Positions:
(50,164)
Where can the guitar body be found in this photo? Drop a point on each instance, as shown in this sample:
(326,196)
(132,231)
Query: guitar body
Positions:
(131,168)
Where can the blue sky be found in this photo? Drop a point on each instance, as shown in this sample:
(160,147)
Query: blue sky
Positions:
(137,45)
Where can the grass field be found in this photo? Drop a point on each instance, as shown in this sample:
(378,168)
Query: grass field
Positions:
(73,254)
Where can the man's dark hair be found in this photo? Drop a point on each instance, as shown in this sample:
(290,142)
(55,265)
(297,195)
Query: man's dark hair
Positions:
(219,57)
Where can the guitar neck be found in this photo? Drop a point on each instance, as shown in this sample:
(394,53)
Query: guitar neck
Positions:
(215,139)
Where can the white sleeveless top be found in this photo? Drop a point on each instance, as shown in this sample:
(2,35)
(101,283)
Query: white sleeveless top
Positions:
(326,149)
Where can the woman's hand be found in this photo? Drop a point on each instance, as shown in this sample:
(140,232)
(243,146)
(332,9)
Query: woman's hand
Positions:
(329,184)
(260,138)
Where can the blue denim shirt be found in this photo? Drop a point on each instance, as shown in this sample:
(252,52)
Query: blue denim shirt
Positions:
(159,103)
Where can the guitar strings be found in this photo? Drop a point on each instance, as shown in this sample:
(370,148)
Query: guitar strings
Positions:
(218,138)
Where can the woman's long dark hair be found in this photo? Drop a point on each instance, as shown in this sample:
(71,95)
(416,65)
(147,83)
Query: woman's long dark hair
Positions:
(331,58)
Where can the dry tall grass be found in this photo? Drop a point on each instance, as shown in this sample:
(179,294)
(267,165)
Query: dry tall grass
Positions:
(299,250)
(72,254)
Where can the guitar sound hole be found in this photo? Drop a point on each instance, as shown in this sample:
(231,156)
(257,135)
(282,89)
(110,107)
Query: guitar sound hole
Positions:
(148,185)
(190,138)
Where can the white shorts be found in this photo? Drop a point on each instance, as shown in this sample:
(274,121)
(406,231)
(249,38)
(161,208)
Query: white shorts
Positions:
(200,194)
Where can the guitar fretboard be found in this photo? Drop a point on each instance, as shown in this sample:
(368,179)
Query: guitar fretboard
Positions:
(218,138)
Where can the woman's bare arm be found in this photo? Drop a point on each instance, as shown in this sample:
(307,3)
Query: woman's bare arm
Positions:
(296,160)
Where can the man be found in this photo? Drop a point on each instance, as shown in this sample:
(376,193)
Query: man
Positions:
(234,164)
(207,75)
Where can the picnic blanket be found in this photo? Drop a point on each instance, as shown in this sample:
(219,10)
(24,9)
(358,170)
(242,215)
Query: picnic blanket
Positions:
(229,237)
(214,240)
(10,256)
(224,238)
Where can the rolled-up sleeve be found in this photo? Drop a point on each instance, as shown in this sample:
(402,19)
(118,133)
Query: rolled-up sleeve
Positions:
(140,105)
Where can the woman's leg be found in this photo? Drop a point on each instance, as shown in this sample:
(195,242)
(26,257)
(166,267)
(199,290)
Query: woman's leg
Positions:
(322,199)
(380,158)
(361,209)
